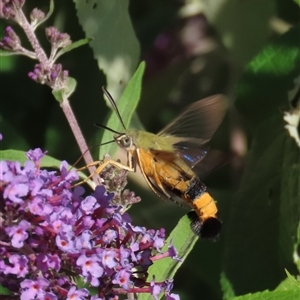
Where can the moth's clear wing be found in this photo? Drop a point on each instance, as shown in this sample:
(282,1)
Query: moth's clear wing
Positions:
(193,129)
(200,120)
(215,159)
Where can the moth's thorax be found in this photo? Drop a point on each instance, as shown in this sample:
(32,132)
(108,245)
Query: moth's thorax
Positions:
(147,140)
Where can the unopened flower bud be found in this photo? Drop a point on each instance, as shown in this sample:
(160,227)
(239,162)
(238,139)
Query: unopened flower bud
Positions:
(11,41)
(56,38)
(9,8)
(36,16)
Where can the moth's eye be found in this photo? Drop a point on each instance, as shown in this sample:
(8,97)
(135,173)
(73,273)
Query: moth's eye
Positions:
(126,141)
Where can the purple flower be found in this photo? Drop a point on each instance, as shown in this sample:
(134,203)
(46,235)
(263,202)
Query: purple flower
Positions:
(156,289)
(109,236)
(88,204)
(172,252)
(19,265)
(122,278)
(144,258)
(36,16)
(54,75)
(77,294)
(109,258)
(9,9)
(18,233)
(33,289)
(159,239)
(56,38)
(15,191)
(50,296)
(65,243)
(96,298)
(90,265)
(125,256)
(48,261)
(172,297)
(6,175)
(84,241)
(67,235)
(36,154)
(11,41)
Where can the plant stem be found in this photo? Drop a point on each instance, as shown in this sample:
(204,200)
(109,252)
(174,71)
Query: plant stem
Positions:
(39,51)
(65,105)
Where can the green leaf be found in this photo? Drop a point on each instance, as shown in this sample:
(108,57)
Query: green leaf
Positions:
(261,234)
(293,280)
(114,43)
(274,295)
(17,155)
(64,93)
(288,289)
(297,1)
(71,47)
(126,106)
(4,291)
(227,288)
(184,240)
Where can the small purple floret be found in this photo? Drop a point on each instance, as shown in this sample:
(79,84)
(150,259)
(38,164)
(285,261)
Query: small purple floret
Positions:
(18,233)
(19,266)
(173,297)
(33,289)
(36,154)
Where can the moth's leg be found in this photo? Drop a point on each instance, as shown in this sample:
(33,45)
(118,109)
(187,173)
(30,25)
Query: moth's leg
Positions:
(102,165)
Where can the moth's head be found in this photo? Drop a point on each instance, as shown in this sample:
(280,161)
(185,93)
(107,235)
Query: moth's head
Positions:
(124,141)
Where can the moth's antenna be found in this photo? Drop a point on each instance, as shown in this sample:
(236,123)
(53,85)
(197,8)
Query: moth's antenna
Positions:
(113,103)
(107,128)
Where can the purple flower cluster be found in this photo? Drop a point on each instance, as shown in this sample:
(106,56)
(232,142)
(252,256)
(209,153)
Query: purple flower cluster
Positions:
(10,41)
(9,8)
(50,73)
(53,76)
(56,38)
(57,244)
(46,71)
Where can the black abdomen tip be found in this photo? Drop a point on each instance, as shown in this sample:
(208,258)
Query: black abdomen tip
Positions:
(206,229)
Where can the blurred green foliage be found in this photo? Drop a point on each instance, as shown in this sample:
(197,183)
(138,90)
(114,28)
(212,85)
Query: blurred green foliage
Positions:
(258,197)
